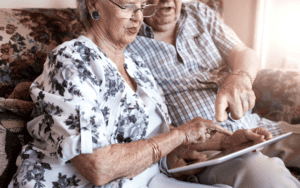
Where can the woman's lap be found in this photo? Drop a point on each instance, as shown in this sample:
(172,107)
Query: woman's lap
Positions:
(250,170)
(161,180)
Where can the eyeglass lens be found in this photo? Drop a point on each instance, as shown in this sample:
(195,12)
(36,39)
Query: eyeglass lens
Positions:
(131,10)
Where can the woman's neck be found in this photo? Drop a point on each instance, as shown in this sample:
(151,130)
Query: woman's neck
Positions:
(110,49)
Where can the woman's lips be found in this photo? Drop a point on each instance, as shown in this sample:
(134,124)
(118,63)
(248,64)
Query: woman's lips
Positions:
(132,30)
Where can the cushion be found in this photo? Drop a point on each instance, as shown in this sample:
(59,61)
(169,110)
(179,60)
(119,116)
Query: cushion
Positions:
(278,95)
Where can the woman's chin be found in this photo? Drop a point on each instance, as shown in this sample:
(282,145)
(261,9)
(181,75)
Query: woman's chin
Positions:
(130,36)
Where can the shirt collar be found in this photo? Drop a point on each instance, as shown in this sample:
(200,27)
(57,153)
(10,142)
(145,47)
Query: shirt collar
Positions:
(146,31)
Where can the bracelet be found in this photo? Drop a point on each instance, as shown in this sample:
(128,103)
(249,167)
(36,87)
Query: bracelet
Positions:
(243,73)
(156,151)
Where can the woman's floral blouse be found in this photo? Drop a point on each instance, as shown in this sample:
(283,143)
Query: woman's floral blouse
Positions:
(82,103)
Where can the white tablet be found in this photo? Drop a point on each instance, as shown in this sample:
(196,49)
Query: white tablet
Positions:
(219,157)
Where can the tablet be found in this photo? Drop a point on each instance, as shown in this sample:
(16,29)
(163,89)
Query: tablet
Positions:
(216,157)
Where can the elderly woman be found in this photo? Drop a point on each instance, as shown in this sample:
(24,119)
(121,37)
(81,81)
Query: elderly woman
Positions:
(99,119)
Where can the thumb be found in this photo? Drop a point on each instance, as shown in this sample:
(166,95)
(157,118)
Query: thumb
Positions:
(253,136)
(221,104)
(195,155)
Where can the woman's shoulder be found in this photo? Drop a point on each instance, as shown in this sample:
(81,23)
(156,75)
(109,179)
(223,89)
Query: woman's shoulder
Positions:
(72,46)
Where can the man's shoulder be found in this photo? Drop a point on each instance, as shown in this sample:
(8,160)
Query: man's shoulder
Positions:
(193,6)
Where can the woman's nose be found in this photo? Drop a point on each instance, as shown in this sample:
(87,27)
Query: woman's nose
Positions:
(137,15)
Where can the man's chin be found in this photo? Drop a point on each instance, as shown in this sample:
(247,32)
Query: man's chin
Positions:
(164,27)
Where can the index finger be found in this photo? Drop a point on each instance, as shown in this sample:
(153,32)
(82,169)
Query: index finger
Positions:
(221,104)
(218,128)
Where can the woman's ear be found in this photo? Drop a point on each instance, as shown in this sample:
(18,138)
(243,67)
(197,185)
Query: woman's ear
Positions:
(91,5)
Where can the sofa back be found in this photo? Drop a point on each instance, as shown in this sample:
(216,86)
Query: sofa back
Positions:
(26,37)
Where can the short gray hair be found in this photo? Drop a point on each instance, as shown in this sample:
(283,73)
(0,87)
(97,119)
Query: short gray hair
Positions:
(84,15)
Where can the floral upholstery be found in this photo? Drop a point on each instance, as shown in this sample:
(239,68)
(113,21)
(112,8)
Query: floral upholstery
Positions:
(26,37)
(278,95)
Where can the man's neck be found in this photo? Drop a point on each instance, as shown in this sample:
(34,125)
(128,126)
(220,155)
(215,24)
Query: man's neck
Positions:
(168,35)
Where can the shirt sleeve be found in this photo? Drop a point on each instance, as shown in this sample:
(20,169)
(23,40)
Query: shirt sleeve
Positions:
(222,35)
(66,119)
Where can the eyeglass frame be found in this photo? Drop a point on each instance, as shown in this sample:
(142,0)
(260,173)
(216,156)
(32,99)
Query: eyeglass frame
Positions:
(134,12)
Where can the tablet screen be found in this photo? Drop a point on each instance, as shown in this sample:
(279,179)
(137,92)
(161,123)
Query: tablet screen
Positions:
(216,157)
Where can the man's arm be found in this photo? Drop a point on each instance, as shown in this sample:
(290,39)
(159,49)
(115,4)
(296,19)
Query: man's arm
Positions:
(236,94)
(243,58)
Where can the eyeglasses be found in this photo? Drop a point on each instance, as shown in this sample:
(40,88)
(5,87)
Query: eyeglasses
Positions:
(129,10)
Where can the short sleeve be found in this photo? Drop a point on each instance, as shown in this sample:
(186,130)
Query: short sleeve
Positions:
(222,35)
(66,115)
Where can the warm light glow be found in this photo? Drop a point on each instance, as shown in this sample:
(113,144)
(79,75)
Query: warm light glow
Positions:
(289,28)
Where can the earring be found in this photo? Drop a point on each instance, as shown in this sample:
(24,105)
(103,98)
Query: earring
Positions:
(95,15)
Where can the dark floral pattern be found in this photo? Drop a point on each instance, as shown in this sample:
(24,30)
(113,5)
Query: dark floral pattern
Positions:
(68,123)
(27,36)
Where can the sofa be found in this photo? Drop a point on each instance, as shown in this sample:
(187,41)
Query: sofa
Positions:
(27,35)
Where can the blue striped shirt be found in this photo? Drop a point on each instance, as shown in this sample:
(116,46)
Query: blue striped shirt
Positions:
(191,72)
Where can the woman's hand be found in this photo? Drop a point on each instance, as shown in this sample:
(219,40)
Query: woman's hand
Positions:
(183,157)
(198,129)
(244,136)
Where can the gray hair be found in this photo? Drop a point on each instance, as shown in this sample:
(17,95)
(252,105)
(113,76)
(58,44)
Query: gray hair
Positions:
(84,15)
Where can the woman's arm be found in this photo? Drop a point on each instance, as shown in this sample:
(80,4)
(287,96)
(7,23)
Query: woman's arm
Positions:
(124,160)
(130,159)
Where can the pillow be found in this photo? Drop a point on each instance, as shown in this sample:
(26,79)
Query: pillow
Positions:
(278,95)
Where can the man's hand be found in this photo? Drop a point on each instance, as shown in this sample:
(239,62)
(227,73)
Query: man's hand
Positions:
(244,136)
(183,157)
(236,95)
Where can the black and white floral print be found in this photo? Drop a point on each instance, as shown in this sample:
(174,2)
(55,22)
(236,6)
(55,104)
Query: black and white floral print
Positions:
(82,103)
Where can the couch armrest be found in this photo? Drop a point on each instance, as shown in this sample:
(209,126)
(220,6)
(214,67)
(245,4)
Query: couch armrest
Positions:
(278,95)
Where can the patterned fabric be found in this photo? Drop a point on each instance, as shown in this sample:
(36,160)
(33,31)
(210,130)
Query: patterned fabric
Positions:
(191,72)
(216,5)
(13,136)
(82,103)
(26,36)
(278,95)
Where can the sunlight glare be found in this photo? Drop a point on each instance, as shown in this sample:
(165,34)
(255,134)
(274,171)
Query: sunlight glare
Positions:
(289,28)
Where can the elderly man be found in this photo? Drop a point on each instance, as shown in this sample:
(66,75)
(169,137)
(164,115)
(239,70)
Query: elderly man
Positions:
(204,70)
